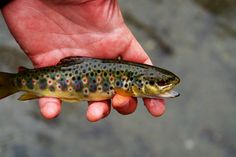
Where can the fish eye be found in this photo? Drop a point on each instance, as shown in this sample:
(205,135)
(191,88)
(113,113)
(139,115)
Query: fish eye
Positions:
(161,83)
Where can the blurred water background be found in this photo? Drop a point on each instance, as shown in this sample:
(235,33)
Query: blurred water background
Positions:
(196,39)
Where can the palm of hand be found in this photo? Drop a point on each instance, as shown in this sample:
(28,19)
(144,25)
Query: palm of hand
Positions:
(50,31)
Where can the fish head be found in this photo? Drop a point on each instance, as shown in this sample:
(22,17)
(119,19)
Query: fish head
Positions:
(156,83)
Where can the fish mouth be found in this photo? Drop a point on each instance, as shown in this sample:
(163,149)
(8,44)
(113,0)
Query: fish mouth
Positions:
(169,94)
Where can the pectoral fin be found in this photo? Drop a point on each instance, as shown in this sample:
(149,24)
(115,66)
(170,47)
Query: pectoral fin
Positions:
(28,96)
(122,92)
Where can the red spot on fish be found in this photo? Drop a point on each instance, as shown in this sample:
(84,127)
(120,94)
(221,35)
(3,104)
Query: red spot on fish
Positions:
(34,81)
(85,80)
(49,82)
(57,76)
(23,82)
(70,89)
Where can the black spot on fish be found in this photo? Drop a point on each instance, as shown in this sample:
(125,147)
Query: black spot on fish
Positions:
(151,82)
(29,84)
(117,83)
(70,74)
(76,71)
(43,83)
(105,74)
(131,73)
(126,85)
(94,81)
(63,85)
(52,88)
(73,78)
(78,85)
(91,74)
(92,87)
(105,86)
(84,71)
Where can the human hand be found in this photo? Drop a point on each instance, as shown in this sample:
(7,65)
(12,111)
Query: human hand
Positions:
(51,30)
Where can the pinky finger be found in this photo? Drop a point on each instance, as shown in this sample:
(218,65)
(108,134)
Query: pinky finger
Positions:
(156,107)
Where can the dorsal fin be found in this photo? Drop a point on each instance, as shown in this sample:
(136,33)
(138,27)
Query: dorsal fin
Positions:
(21,68)
(70,60)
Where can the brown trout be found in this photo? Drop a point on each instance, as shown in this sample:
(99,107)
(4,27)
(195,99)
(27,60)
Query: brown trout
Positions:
(81,78)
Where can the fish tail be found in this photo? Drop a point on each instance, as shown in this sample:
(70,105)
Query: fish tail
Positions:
(7,86)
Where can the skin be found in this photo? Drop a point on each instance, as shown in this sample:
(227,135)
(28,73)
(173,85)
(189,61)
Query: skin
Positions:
(48,31)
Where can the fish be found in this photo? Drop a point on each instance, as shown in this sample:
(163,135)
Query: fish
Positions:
(78,78)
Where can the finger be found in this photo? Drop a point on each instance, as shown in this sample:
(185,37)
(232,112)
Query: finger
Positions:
(98,110)
(50,107)
(155,106)
(124,105)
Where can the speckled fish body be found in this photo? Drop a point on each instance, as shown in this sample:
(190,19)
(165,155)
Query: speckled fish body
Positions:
(82,78)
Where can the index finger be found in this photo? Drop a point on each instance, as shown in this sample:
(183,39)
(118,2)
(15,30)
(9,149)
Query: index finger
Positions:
(136,53)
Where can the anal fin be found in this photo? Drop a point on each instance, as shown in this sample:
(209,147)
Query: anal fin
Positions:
(28,96)
(70,100)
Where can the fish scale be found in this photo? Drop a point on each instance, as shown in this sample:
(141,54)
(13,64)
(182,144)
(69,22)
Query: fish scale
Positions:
(92,79)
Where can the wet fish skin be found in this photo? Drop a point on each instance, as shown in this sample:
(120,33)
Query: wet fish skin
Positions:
(82,78)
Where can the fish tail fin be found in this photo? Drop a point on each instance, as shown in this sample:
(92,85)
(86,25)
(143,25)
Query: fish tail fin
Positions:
(7,86)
